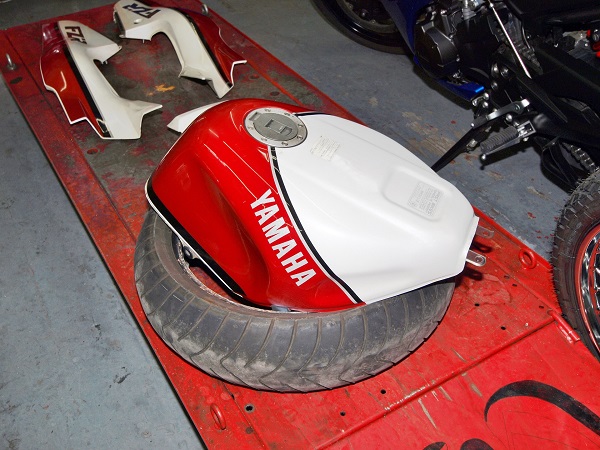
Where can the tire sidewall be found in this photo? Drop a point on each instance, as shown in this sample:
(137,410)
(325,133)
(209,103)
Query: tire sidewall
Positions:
(317,350)
(578,223)
(333,13)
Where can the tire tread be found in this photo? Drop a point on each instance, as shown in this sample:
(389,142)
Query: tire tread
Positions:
(578,217)
(287,352)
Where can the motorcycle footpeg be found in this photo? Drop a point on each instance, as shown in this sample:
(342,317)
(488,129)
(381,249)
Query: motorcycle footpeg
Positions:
(498,141)
(506,138)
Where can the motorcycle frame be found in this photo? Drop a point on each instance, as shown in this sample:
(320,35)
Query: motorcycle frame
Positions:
(563,77)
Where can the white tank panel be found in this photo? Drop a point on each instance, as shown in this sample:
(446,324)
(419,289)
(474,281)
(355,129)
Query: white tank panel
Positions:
(378,216)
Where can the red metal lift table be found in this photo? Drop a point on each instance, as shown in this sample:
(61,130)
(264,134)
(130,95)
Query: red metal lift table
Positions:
(501,371)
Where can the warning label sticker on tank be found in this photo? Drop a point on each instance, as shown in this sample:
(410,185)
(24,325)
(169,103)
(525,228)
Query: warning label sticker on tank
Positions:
(425,199)
(325,148)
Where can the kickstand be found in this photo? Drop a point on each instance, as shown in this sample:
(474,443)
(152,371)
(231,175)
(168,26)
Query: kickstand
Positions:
(466,143)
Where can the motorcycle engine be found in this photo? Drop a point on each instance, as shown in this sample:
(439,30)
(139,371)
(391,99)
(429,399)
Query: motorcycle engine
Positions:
(451,36)
(540,59)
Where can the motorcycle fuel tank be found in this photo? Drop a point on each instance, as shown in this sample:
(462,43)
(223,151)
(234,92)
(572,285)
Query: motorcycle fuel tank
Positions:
(296,209)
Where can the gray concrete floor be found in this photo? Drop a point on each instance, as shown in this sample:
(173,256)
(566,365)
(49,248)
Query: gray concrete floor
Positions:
(75,371)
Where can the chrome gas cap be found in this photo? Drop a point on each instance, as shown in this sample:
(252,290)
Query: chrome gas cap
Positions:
(275,127)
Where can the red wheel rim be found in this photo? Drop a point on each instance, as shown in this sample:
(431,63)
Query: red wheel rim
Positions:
(587,283)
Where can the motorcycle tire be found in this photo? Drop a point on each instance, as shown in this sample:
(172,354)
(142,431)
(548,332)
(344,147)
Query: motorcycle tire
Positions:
(379,33)
(272,350)
(576,261)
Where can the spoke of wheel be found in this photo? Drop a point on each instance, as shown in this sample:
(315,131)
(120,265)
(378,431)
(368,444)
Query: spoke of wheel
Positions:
(589,273)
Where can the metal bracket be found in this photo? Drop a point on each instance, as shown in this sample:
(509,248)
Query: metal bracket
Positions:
(484,232)
(514,107)
(475,259)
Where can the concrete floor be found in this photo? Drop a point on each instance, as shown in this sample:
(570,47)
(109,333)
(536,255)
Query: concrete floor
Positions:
(75,371)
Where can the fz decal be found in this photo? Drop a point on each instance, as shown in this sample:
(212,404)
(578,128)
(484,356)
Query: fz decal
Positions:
(74,33)
(143,11)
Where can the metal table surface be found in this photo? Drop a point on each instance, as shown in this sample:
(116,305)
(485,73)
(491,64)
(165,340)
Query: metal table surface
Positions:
(501,371)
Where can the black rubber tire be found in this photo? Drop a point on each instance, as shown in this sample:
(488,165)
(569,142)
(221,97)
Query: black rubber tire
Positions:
(576,235)
(380,35)
(269,350)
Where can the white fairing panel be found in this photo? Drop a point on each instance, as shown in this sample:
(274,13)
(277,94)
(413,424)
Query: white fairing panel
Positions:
(121,118)
(140,21)
(181,122)
(380,218)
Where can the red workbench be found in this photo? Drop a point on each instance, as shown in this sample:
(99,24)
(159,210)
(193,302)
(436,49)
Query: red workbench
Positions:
(501,371)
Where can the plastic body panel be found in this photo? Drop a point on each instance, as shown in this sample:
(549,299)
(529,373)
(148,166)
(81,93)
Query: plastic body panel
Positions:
(347,216)
(68,69)
(196,39)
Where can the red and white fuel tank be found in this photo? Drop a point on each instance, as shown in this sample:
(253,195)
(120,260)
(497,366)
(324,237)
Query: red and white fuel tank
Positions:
(297,209)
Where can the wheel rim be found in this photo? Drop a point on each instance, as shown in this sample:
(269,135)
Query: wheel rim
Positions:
(196,271)
(369,14)
(587,279)
(368,19)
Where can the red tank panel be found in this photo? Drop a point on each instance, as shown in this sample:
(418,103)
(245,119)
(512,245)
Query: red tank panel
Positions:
(217,183)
